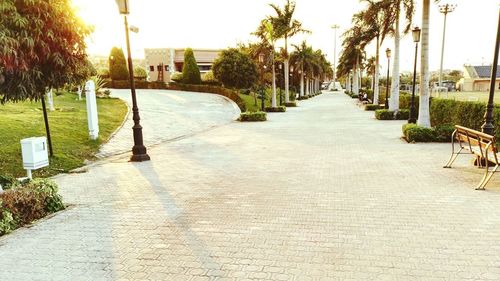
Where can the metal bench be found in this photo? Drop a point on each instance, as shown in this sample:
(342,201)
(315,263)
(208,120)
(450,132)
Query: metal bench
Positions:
(482,145)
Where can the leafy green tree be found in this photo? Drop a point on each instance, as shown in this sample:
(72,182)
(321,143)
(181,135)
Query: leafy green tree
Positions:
(118,69)
(235,69)
(42,47)
(140,73)
(190,70)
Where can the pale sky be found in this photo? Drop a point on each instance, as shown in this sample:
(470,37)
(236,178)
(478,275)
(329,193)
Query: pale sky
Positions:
(471,29)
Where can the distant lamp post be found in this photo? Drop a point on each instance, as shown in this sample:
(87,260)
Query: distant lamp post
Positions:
(280,66)
(488,127)
(139,152)
(444,9)
(413,110)
(388,54)
(335,27)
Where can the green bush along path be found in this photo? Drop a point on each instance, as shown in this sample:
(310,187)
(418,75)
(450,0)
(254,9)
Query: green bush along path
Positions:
(68,124)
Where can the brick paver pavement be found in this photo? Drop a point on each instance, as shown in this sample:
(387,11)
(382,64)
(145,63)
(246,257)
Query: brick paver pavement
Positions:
(322,192)
(167,115)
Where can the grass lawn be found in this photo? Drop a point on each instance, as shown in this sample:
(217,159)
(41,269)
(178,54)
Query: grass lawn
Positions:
(69,130)
(468,96)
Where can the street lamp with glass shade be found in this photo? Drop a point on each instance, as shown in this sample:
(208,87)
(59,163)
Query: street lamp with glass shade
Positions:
(388,54)
(413,111)
(139,151)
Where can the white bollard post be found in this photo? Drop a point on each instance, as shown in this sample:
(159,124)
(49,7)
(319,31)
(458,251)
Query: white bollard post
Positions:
(92,117)
(50,100)
(79,92)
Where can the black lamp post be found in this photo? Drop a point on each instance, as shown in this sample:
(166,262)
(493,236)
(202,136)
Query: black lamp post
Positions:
(139,152)
(488,127)
(413,113)
(388,54)
(280,66)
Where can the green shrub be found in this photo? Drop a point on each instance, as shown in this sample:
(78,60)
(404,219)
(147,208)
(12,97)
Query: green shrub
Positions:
(303,97)
(276,109)
(140,73)
(177,77)
(253,116)
(103,72)
(384,114)
(402,114)
(444,132)
(139,84)
(291,104)
(373,107)
(209,79)
(28,201)
(190,70)
(415,133)
(464,113)
(118,69)
(6,182)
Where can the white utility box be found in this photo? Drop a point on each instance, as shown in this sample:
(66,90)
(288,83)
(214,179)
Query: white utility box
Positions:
(35,153)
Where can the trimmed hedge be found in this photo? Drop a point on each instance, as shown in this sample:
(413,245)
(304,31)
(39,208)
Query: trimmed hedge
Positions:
(258,116)
(24,202)
(291,104)
(464,113)
(276,109)
(384,114)
(415,133)
(303,98)
(402,114)
(373,107)
(228,93)
(139,84)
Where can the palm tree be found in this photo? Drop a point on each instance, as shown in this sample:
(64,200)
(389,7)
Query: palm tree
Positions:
(424,118)
(396,9)
(376,20)
(267,33)
(286,27)
(371,69)
(355,40)
(302,57)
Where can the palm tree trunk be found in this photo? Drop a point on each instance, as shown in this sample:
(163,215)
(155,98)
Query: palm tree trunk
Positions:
(348,82)
(376,89)
(394,100)
(308,85)
(287,73)
(355,78)
(273,100)
(302,82)
(423,109)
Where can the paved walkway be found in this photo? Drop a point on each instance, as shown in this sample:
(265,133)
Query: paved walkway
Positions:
(167,115)
(322,192)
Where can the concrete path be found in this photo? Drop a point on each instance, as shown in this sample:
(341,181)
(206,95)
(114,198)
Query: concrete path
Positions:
(322,192)
(166,115)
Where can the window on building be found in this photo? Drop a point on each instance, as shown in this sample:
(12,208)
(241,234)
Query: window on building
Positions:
(159,67)
(151,68)
(167,68)
(499,86)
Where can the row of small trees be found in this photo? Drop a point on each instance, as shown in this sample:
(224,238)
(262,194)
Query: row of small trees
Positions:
(381,18)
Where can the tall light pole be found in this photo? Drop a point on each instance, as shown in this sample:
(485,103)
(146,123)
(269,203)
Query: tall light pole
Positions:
(413,110)
(444,9)
(388,54)
(335,27)
(488,127)
(139,152)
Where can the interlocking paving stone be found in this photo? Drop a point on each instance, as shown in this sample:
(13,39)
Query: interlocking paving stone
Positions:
(322,192)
